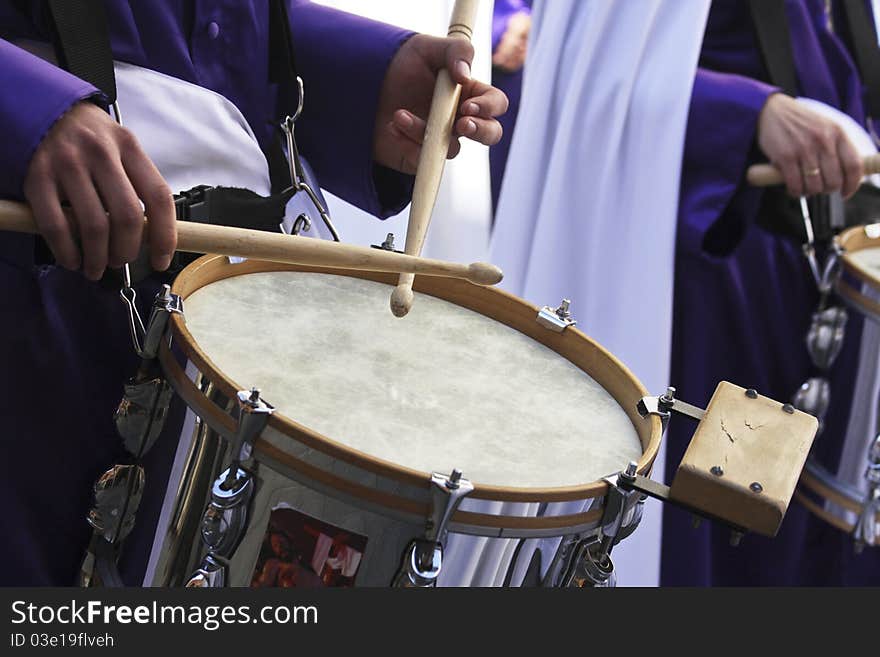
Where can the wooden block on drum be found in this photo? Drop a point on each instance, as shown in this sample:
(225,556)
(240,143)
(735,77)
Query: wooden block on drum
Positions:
(744,460)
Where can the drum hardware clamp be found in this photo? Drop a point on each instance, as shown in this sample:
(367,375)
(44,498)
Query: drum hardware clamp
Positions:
(865,532)
(586,560)
(663,406)
(557,319)
(226,519)
(423,558)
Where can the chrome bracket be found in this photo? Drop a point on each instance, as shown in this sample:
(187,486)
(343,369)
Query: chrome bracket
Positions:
(226,517)
(557,319)
(588,566)
(866,529)
(423,559)
(211,573)
(164,305)
(253,417)
(665,404)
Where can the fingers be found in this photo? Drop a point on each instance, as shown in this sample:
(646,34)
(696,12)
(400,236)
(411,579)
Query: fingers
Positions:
(410,128)
(484,131)
(813,178)
(92,224)
(126,215)
(853,168)
(53,224)
(397,133)
(792,172)
(158,204)
(482,100)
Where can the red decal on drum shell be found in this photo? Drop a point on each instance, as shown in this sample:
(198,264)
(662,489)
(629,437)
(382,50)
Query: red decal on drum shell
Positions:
(299,551)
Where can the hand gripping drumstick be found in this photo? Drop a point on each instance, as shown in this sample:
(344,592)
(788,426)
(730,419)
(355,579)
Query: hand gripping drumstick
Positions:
(275,247)
(767,175)
(432,159)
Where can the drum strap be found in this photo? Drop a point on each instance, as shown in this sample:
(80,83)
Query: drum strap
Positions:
(863,39)
(774,40)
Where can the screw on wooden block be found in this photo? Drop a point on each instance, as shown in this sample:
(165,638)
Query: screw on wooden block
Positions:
(751,393)
(717,470)
(756,487)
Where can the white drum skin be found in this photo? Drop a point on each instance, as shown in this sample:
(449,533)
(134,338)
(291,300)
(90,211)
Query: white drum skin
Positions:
(442,388)
(445,387)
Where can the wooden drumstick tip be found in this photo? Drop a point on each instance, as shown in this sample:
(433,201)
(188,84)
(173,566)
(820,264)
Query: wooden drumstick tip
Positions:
(482,273)
(402,300)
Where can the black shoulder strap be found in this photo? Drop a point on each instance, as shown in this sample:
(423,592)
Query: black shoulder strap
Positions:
(282,63)
(866,51)
(82,42)
(774,39)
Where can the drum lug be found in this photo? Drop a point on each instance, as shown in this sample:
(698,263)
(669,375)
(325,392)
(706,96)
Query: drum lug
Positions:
(865,532)
(557,319)
(212,573)
(253,417)
(589,566)
(164,305)
(423,558)
(226,517)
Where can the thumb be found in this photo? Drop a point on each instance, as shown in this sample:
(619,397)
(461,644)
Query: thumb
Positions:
(456,55)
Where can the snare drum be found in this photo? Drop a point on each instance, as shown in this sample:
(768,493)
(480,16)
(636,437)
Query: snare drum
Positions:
(468,424)
(849,497)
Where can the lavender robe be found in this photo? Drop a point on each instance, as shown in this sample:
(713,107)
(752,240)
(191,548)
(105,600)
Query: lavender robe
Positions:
(744,297)
(65,349)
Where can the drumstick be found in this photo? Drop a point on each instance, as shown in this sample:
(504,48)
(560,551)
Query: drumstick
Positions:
(275,247)
(432,159)
(767,175)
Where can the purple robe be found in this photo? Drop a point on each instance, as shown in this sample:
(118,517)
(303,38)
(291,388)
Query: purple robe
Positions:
(510,84)
(65,348)
(744,298)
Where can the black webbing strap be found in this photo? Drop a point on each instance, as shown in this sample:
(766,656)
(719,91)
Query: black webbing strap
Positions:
(774,40)
(82,42)
(865,50)
(282,62)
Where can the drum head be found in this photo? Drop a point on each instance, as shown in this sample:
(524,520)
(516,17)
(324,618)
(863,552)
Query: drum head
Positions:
(445,387)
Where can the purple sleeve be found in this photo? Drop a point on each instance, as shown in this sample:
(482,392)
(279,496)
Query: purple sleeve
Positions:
(33,95)
(343,59)
(502,13)
(719,146)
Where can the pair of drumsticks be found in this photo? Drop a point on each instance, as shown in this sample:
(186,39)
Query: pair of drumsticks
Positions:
(222,240)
